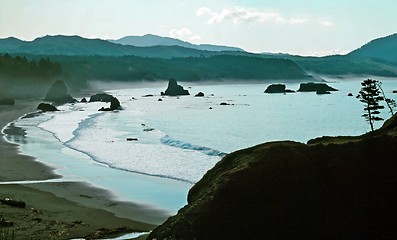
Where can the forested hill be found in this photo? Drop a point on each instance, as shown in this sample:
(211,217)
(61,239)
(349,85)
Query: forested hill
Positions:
(222,67)
(382,48)
(20,77)
(78,46)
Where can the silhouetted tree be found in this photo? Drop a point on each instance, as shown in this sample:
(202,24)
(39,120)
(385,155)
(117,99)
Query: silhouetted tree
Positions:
(370,96)
(389,102)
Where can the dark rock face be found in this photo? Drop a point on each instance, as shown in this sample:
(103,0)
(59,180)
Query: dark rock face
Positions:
(103,97)
(7,101)
(350,95)
(323,92)
(58,93)
(344,188)
(45,107)
(314,87)
(13,203)
(84,100)
(174,89)
(200,94)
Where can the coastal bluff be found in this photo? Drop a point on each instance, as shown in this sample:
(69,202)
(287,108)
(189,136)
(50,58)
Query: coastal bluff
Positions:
(329,188)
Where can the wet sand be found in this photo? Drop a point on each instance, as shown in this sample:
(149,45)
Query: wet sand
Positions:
(56,209)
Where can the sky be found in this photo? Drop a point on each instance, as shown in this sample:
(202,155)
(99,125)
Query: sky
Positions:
(302,27)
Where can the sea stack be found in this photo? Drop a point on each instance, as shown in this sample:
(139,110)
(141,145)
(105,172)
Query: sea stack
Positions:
(174,89)
(58,93)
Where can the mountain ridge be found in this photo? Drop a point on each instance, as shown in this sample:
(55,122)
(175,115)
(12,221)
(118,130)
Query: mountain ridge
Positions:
(149,40)
(381,48)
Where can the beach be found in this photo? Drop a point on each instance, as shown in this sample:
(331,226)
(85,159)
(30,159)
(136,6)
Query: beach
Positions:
(56,209)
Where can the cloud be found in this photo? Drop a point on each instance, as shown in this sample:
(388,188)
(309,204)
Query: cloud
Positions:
(239,15)
(184,34)
(180,33)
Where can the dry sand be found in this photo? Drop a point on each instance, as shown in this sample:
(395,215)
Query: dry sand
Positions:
(59,210)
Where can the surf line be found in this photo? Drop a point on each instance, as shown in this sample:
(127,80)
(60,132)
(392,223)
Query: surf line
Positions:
(56,180)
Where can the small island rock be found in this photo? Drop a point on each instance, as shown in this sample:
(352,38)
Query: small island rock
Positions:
(200,94)
(314,87)
(103,97)
(275,88)
(174,89)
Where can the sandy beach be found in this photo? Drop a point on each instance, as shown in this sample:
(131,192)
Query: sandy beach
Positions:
(57,209)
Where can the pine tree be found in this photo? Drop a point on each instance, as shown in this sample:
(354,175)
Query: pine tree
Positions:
(389,102)
(370,96)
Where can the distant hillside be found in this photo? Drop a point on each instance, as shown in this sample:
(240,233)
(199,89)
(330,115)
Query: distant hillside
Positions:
(150,40)
(381,48)
(78,46)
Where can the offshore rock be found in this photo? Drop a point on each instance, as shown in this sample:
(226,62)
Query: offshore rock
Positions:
(314,87)
(174,89)
(103,97)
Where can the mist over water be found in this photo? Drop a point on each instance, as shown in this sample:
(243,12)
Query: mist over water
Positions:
(180,138)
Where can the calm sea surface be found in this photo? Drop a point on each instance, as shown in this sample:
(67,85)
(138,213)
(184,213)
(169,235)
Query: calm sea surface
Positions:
(180,138)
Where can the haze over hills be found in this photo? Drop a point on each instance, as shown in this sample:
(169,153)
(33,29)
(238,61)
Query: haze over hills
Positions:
(381,48)
(150,40)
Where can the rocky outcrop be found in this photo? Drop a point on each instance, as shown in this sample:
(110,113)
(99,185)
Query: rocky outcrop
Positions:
(45,107)
(103,97)
(7,101)
(58,93)
(278,88)
(315,87)
(332,188)
(174,89)
(13,203)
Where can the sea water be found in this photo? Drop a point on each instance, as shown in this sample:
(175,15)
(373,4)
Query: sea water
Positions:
(178,139)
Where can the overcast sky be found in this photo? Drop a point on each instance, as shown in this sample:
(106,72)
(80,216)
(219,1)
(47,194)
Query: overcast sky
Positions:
(305,27)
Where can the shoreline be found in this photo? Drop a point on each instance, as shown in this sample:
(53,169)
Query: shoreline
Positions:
(57,209)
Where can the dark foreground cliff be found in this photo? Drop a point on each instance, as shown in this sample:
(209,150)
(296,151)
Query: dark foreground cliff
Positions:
(331,188)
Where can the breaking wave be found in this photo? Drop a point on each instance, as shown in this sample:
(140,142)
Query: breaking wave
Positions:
(167,140)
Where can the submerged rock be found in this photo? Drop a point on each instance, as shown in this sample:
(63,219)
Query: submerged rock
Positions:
(174,89)
(314,87)
(58,93)
(45,107)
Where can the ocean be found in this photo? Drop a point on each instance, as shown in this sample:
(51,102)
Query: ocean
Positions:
(178,139)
